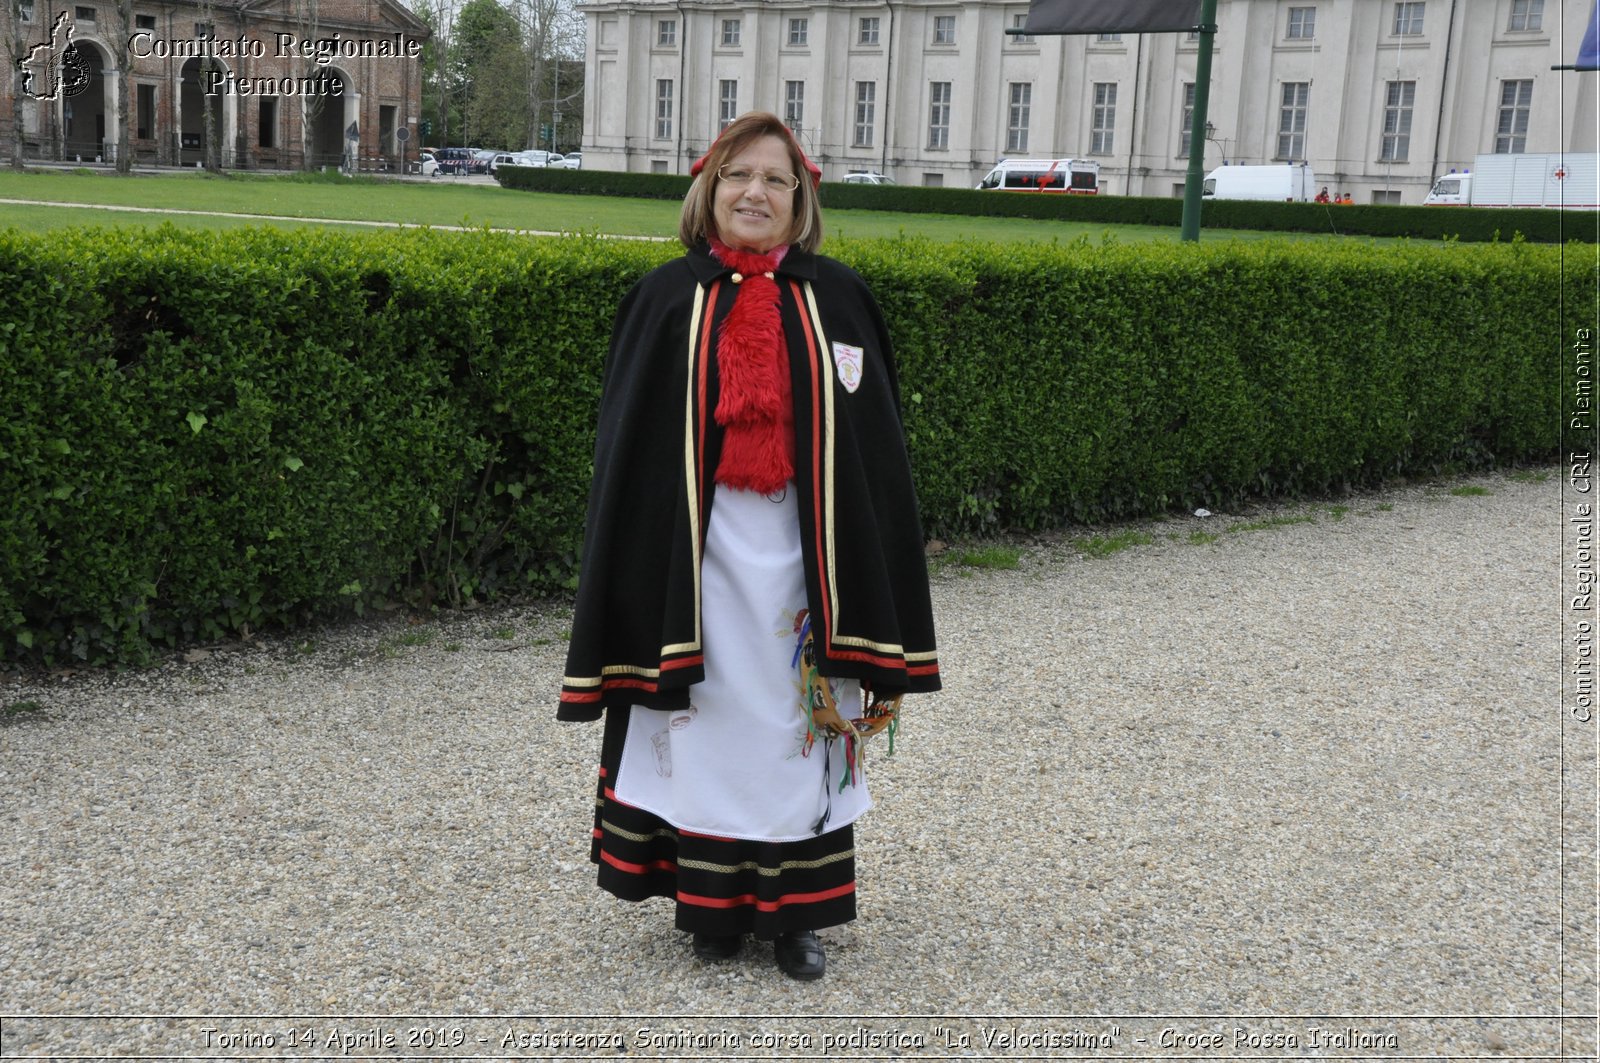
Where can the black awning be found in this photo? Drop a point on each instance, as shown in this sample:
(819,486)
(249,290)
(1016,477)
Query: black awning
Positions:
(1111,16)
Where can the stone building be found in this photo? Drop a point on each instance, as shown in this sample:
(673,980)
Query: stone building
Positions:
(286,81)
(1378,96)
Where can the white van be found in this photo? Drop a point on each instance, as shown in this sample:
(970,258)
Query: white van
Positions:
(1570,180)
(1287,182)
(1451,190)
(1080,177)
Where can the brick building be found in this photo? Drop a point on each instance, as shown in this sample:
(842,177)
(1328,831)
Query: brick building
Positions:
(286,81)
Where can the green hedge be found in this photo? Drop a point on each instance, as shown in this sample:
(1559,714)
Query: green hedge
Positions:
(1473,225)
(1101,382)
(594,182)
(206,437)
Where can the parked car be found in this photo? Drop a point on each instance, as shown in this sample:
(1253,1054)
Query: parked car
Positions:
(456,161)
(866,177)
(573,160)
(502,158)
(535,158)
(427,165)
(481,158)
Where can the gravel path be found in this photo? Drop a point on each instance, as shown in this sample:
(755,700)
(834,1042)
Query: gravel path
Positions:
(1279,784)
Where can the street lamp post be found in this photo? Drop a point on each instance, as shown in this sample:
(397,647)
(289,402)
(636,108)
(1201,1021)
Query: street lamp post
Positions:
(1221,142)
(1190,230)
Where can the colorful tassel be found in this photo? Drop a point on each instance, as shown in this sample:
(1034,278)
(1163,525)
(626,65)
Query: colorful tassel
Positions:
(821,710)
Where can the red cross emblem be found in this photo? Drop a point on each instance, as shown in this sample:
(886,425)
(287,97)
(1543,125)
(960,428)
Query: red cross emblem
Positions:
(1560,174)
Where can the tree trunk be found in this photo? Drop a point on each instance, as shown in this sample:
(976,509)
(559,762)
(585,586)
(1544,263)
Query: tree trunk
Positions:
(17,49)
(124,75)
(307,17)
(16,119)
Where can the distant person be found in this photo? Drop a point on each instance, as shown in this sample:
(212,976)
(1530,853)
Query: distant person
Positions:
(1348,200)
(1322,196)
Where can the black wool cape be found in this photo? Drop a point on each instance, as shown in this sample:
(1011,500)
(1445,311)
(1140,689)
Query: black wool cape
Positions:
(636,635)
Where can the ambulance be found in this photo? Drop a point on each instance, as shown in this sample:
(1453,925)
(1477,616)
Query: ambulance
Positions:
(1078,177)
(1570,181)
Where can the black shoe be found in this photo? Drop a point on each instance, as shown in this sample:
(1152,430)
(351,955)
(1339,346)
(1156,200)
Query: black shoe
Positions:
(717,946)
(800,955)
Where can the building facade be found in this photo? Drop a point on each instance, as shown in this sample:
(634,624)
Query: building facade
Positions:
(1378,96)
(286,81)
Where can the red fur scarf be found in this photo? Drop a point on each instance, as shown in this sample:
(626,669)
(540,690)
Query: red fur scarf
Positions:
(755,408)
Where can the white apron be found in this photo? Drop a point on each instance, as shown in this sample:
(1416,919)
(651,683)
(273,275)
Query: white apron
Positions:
(731,764)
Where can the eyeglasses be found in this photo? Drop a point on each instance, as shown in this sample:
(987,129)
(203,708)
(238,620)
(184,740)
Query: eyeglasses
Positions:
(777,181)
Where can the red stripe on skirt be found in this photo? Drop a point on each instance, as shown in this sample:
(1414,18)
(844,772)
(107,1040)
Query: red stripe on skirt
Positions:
(766,906)
(644,869)
(611,795)
(653,858)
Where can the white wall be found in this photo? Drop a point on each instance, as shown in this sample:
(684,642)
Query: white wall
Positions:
(1458,66)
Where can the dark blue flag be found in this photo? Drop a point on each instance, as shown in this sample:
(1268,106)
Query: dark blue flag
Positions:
(1111,16)
(1589,50)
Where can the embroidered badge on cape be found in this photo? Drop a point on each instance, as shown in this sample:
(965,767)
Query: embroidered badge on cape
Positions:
(848,359)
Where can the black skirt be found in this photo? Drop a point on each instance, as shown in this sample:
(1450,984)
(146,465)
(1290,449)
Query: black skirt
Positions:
(720,885)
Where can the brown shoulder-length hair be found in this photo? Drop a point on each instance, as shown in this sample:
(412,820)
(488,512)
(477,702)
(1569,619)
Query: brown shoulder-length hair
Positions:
(696,222)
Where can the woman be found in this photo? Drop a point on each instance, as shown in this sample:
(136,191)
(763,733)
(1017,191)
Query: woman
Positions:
(752,562)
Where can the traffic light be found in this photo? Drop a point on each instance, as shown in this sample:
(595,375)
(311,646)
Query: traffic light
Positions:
(427,129)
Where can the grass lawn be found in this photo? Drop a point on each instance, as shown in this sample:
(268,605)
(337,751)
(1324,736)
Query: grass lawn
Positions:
(32,219)
(448,202)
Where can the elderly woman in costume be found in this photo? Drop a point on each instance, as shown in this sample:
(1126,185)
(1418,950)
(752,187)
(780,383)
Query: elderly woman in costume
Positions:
(753,599)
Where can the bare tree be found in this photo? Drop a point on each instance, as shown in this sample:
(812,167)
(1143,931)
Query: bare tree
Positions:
(439,15)
(466,63)
(124,10)
(210,153)
(307,22)
(550,28)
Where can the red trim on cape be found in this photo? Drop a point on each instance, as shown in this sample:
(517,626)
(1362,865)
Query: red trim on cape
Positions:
(816,464)
(702,372)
